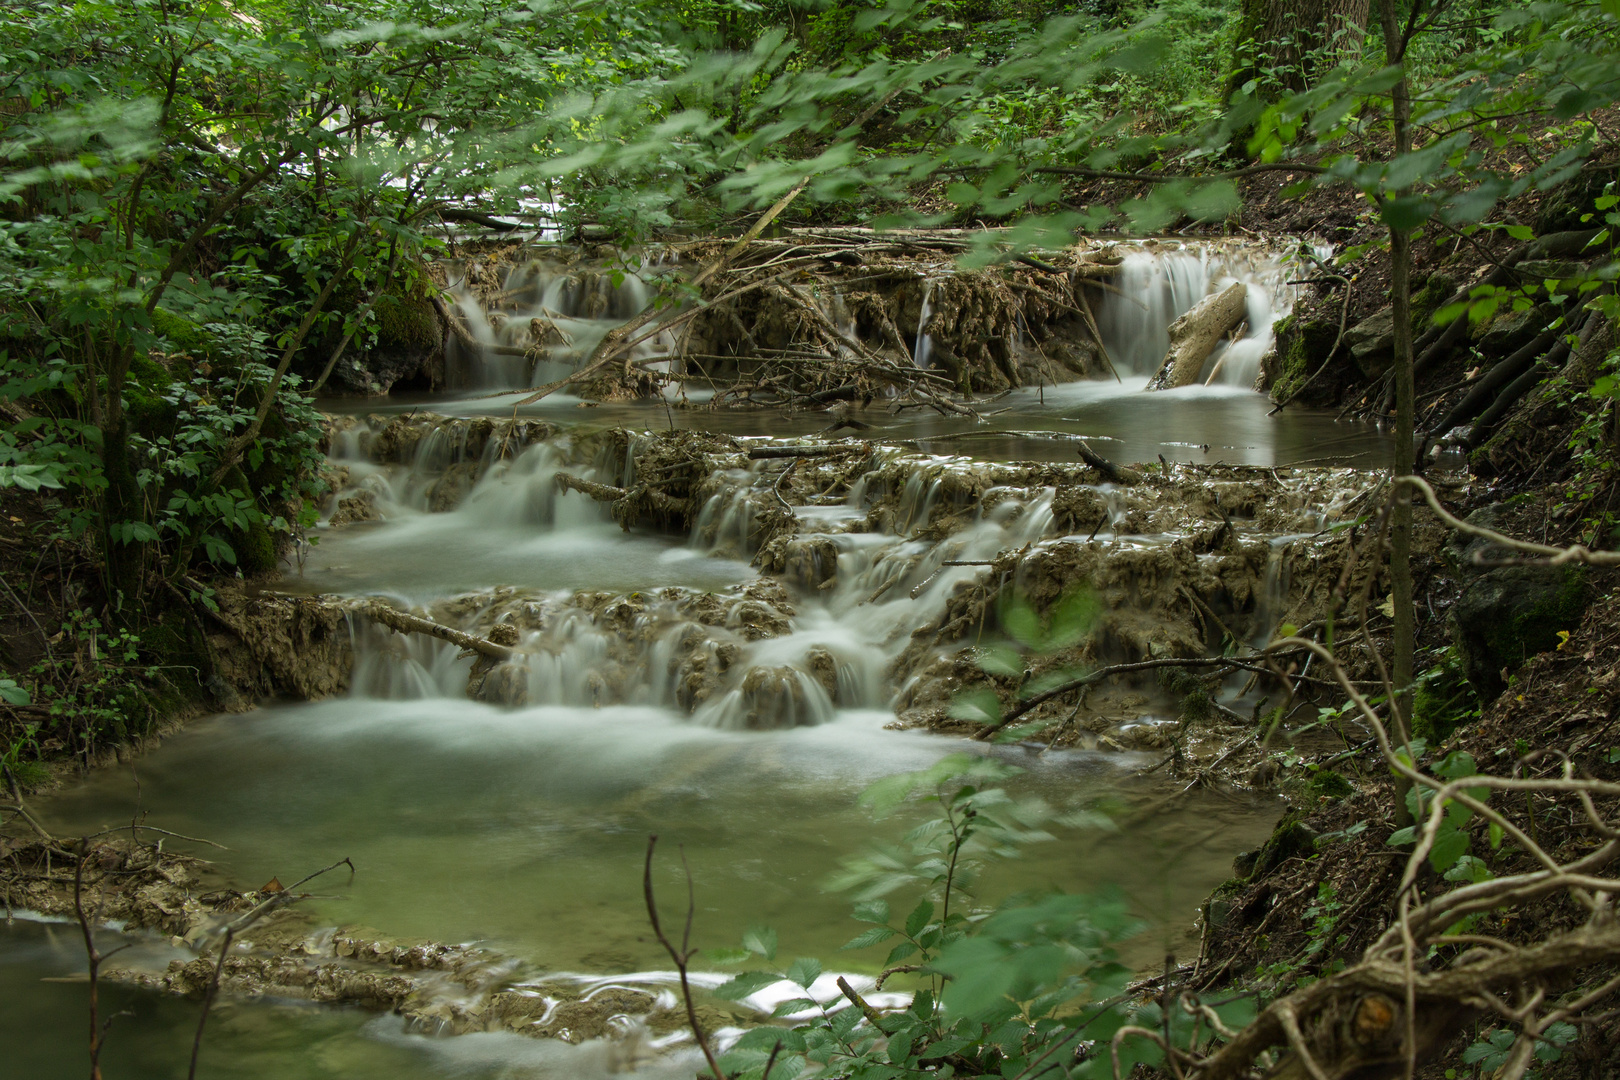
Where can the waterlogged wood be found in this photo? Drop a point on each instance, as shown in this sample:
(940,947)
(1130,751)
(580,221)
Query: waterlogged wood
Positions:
(1194,336)
(404,622)
(609,494)
(1118,474)
(759,453)
(600,492)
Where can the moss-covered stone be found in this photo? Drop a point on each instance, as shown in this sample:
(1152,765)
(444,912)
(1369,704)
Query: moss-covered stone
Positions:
(1290,840)
(1327,784)
(1427,300)
(1509,614)
(1302,345)
(182,335)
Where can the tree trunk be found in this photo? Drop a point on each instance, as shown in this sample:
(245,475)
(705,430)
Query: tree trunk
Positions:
(1292,42)
(1194,336)
(1404,635)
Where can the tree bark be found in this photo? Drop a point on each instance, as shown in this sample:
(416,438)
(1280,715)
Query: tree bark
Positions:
(1404,634)
(1287,40)
(1194,336)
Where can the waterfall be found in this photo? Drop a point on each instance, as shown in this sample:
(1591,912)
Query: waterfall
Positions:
(1158,285)
(537,320)
(925,345)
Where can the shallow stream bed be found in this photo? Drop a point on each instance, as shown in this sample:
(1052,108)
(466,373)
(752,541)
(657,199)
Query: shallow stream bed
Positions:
(522,827)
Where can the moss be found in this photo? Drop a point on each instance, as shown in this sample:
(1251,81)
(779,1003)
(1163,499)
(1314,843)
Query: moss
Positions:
(1535,629)
(406,322)
(1290,840)
(183,335)
(1427,300)
(255,550)
(1327,784)
(1301,346)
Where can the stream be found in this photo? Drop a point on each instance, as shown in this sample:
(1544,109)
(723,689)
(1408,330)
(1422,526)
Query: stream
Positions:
(666,685)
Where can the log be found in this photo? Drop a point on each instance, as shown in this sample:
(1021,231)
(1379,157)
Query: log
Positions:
(1116,473)
(475,217)
(762,452)
(609,494)
(404,622)
(600,492)
(1194,336)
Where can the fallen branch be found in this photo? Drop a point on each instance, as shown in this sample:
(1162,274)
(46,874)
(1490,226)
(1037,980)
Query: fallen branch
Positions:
(1069,687)
(1118,474)
(404,622)
(1195,334)
(760,453)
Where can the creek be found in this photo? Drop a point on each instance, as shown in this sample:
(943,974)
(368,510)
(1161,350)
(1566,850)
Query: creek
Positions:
(665,684)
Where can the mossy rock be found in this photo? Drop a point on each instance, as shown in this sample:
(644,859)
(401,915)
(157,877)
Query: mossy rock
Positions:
(183,335)
(1291,839)
(1427,300)
(1508,614)
(406,322)
(1327,784)
(1302,345)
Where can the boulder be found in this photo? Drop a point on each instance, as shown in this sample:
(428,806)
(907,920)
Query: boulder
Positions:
(1510,613)
(1372,343)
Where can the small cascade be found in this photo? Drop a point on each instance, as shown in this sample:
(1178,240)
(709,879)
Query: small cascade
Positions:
(537,320)
(748,654)
(924,348)
(1158,285)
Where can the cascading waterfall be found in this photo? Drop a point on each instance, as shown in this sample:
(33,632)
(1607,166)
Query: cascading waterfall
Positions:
(541,320)
(924,349)
(1160,284)
(831,652)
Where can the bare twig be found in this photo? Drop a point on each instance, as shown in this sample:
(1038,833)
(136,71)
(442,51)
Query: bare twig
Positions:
(681,956)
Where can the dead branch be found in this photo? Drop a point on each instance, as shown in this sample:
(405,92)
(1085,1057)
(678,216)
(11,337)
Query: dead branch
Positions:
(278,899)
(682,956)
(759,453)
(1118,474)
(404,622)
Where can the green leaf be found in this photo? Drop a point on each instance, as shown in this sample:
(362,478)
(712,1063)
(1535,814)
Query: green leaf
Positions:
(12,694)
(749,982)
(867,938)
(979,705)
(1449,846)
(727,956)
(804,971)
(919,918)
(1521,232)
(761,940)
(1406,213)
(872,911)
(1018,618)
(1001,660)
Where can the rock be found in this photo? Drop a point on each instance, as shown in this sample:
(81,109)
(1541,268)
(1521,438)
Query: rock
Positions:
(823,668)
(811,561)
(1510,613)
(1372,343)
(1302,346)
(361,506)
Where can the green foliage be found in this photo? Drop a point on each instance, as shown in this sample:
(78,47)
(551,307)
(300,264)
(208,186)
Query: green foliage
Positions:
(1014,990)
(1449,852)
(1491,1052)
(91,688)
(1443,699)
